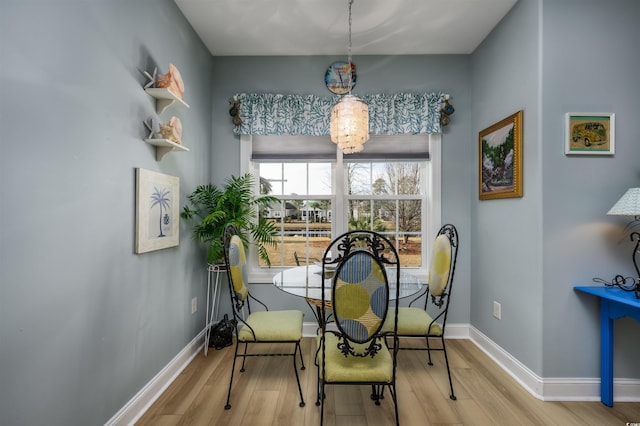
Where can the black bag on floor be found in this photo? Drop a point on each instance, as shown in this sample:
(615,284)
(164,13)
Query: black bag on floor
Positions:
(221,334)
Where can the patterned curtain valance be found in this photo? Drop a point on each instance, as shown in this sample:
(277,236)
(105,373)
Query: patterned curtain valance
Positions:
(395,114)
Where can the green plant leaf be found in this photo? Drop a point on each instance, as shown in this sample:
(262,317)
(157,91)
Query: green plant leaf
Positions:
(212,208)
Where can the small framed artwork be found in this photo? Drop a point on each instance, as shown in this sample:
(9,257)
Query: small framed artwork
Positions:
(589,133)
(157,211)
(501,159)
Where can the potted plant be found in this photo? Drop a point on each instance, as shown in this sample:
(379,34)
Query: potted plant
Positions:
(212,208)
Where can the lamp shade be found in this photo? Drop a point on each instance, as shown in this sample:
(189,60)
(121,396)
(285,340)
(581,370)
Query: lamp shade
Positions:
(628,205)
(350,124)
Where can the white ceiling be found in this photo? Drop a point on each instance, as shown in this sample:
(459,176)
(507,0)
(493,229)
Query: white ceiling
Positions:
(320,27)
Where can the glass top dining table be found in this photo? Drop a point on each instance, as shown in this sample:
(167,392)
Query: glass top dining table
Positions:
(306,281)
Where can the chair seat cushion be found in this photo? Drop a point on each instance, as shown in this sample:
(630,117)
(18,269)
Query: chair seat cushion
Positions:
(354,369)
(273,326)
(412,322)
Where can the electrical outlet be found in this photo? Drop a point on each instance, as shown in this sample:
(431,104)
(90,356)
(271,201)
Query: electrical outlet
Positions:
(194,305)
(497,310)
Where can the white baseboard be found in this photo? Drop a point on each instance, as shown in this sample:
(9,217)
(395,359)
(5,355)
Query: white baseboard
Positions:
(554,388)
(140,403)
(520,373)
(309,329)
(546,389)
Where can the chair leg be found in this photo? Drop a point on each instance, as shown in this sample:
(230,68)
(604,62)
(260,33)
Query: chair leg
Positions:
(244,358)
(233,368)
(446,360)
(428,352)
(321,395)
(299,349)
(377,393)
(315,362)
(374,393)
(318,392)
(295,370)
(392,391)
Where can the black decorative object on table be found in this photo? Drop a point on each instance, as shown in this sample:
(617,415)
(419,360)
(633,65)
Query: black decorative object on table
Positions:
(628,283)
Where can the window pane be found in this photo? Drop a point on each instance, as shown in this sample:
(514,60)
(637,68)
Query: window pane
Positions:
(383,178)
(410,232)
(360,215)
(295,179)
(358,178)
(304,230)
(271,178)
(397,220)
(320,181)
(299,178)
(407,176)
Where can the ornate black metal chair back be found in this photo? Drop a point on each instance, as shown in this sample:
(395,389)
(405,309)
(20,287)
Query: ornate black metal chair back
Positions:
(426,315)
(260,326)
(355,352)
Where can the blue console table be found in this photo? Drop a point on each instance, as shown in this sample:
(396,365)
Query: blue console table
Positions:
(614,303)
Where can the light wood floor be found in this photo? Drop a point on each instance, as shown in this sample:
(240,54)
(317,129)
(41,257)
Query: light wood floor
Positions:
(266,394)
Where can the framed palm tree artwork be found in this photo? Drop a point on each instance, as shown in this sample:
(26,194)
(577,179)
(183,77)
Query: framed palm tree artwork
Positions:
(157,211)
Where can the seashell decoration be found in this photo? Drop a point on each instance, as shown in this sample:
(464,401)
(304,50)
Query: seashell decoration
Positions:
(172,130)
(446,110)
(234,111)
(172,81)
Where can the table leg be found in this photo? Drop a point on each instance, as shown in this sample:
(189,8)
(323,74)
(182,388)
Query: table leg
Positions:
(606,353)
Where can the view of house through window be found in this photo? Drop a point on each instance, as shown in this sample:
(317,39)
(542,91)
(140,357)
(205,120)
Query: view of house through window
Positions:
(321,200)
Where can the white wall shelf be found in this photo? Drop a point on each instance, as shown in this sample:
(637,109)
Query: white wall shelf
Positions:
(165,98)
(165,146)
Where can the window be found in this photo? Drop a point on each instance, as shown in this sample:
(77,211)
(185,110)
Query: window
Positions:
(392,187)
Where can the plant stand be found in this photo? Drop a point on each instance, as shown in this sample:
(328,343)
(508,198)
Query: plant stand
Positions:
(214,302)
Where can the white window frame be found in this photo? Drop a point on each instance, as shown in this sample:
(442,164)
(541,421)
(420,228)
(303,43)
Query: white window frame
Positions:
(433,222)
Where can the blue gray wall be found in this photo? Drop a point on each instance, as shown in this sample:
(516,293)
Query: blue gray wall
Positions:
(506,233)
(549,58)
(84,322)
(579,241)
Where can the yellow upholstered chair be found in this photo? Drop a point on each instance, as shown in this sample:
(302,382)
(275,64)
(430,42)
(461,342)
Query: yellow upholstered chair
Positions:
(355,351)
(261,326)
(428,319)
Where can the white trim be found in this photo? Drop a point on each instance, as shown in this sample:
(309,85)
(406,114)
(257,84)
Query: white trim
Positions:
(140,403)
(434,208)
(518,371)
(245,154)
(554,388)
(456,331)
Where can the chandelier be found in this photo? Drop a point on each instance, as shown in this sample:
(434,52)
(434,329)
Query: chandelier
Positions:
(350,116)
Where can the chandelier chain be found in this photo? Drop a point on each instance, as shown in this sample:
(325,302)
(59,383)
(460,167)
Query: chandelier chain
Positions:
(349,123)
(349,58)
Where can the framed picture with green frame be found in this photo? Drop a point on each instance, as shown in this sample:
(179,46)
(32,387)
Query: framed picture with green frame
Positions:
(589,133)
